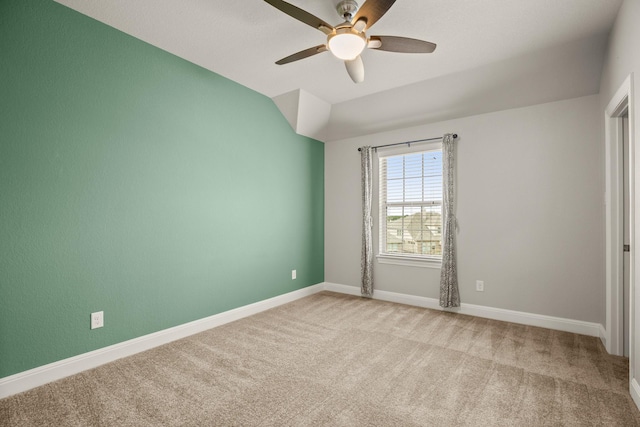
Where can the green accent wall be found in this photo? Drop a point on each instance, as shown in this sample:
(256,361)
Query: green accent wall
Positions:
(137,183)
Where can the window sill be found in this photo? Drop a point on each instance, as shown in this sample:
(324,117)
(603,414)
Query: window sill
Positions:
(408,260)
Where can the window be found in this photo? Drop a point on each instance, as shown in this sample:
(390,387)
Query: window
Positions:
(410,187)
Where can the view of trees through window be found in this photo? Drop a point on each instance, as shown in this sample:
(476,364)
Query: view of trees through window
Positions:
(411,190)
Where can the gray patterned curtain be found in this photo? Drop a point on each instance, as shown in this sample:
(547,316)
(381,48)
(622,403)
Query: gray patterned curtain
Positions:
(366,260)
(449,296)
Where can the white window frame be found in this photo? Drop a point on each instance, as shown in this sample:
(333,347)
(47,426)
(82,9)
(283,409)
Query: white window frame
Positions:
(428,261)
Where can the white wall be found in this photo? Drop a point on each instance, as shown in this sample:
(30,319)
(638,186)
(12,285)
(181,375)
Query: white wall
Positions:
(622,55)
(530,210)
(623,59)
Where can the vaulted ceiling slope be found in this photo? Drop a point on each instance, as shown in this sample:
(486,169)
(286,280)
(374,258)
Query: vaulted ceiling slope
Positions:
(491,55)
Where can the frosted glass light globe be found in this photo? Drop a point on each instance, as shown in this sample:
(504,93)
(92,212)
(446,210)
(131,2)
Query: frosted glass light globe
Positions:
(346,45)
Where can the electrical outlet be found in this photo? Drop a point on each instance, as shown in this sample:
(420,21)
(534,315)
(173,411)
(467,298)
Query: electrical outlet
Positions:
(97,319)
(479,286)
(293,275)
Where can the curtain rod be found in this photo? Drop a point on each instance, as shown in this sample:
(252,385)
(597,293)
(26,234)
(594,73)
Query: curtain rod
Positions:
(455,135)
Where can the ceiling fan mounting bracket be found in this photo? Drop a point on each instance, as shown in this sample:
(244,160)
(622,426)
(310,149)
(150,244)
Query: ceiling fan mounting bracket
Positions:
(347,9)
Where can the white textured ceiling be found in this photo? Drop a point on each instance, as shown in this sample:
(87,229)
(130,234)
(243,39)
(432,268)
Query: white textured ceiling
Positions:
(491,54)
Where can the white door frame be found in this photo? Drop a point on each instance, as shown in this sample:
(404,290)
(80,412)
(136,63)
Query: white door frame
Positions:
(614,215)
(614,341)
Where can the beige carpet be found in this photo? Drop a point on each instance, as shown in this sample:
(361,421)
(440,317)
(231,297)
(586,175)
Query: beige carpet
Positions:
(337,360)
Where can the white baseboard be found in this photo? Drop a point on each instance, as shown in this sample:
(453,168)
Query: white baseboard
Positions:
(634,390)
(57,370)
(54,371)
(550,322)
(604,338)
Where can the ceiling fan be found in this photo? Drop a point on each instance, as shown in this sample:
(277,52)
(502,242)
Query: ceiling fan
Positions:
(347,40)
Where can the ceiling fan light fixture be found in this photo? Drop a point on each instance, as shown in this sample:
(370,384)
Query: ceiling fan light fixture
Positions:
(346,44)
(346,41)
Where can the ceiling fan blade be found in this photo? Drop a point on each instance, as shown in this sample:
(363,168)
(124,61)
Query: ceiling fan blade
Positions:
(303,54)
(301,15)
(355,68)
(371,11)
(400,44)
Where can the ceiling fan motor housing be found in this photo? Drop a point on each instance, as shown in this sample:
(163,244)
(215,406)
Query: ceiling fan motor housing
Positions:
(346,9)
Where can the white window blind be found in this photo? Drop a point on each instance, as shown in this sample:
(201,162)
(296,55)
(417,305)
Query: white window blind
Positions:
(411,204)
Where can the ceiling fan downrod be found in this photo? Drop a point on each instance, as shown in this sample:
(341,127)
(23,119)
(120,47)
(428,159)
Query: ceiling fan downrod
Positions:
(347,9)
